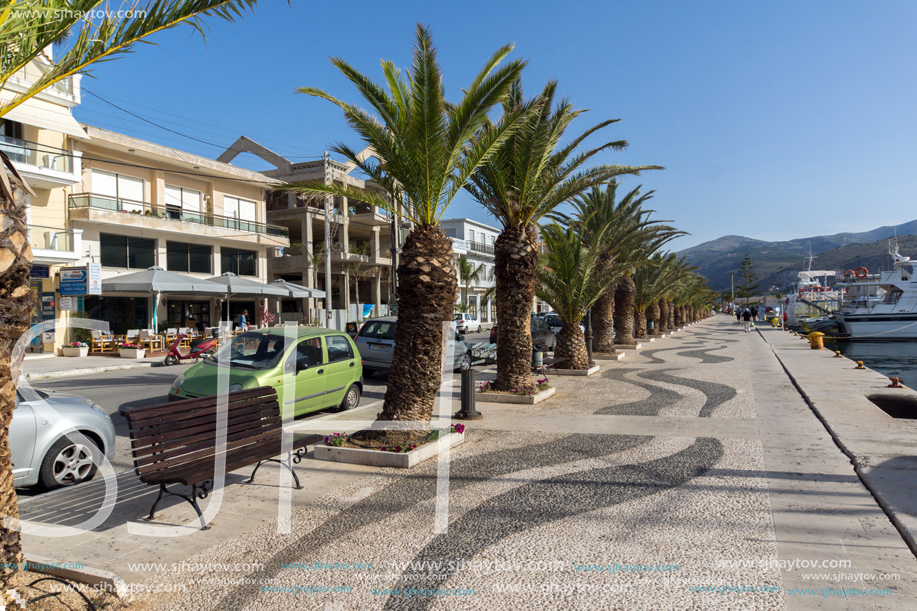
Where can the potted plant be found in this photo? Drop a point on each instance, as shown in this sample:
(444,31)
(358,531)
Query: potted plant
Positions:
(75,349)
(131,351)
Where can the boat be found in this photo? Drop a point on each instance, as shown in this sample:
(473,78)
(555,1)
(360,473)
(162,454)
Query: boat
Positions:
(880,306)
(814,300)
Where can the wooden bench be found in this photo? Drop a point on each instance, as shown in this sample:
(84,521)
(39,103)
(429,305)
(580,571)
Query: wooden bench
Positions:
(175,443)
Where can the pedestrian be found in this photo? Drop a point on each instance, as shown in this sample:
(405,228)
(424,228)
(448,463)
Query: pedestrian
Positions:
(746,319)
(738,314)
(243,320)
(754,312)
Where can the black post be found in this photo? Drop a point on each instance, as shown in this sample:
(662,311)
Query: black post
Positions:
(589,337)
(468,411)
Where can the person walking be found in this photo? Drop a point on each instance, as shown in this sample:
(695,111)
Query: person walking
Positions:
(754,313)
(746,319)
(243,320)
(738,314)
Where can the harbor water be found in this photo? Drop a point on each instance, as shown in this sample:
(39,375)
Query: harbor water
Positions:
(889,358)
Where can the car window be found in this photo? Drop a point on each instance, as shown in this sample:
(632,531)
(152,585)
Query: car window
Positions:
(253,350)
(378,329)
(309,353)
(338,348)
(457,317)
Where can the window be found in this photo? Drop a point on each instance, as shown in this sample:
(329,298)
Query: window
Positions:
(236,208)
(309,353)
(471,235)
(183,203)
(124,251)
(182,257)
(378,329)
(239,262)
(124,193)
(450,233)
(11,129)
(338,348)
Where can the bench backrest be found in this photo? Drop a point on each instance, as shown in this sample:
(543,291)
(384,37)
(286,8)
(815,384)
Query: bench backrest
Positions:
(183,433)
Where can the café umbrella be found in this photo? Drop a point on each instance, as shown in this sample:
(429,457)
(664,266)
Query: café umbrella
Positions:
(236,285)
(297,291)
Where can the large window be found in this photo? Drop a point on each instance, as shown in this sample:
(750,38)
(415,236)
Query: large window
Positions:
(183,203)
(124,251)
(241,209)
(182,257)
(120,192)
(239,262)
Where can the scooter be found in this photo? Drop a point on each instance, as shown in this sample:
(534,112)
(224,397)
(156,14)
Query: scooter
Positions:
(199,348)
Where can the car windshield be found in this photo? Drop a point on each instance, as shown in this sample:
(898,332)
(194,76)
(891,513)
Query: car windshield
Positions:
(554,321)
(252,351)
(457,317)
(379,329)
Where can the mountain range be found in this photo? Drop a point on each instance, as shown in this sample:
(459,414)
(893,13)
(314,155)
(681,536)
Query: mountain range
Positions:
(777,263)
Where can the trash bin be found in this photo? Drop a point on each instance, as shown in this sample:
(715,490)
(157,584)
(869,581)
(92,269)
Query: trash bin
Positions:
(815,340)
(537,358)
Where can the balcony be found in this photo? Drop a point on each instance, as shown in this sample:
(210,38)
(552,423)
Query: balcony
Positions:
(53,245)
(106,209)
(42,166)
(480,247)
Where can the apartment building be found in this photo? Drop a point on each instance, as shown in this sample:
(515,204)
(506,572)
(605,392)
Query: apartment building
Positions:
(476,241)
(140,204)
(39,137)
(362,248)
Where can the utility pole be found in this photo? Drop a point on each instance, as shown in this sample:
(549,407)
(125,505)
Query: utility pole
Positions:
(732,282)
(328,305)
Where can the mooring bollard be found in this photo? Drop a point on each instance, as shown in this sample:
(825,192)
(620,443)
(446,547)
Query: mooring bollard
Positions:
(895,382)
(468,411)
(859,365)
(837,354)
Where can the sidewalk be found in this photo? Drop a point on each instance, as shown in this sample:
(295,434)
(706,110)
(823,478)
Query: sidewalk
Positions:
(60,366)
(692,474)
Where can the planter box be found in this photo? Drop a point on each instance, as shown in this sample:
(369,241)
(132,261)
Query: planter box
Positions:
(628,347)
(75,351)
(132,353)
(578,372)
(491,397)
(376,458)
(607,356)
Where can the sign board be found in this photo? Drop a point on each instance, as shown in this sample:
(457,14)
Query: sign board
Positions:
(47,306)
(67,304)
(85,280)
(40,272)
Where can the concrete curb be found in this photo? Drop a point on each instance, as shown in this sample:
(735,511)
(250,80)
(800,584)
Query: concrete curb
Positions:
(98,579)
(66,373)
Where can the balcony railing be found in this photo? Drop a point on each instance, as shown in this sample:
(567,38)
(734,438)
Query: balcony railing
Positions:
(481,247)
(129,206)
(30,153)
(50,238)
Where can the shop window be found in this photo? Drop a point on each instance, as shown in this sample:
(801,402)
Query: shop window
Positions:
(240,262)
(183,257)
(124,251)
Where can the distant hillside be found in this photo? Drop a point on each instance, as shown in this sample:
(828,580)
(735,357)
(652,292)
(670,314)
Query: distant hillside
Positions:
(776,263)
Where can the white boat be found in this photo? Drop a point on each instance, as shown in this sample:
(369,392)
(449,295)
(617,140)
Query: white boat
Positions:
(814,299)
(880,306)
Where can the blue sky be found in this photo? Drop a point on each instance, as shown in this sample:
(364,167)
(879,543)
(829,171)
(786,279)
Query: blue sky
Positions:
(773,120)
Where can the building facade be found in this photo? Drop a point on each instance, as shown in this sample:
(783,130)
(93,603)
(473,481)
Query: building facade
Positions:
(475,241)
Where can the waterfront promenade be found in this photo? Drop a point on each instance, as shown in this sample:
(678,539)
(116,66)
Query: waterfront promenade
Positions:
(692,474)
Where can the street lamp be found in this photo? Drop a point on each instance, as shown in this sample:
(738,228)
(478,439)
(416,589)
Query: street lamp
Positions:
(589,337)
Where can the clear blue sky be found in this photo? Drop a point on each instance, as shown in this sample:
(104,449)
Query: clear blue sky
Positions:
(774,120)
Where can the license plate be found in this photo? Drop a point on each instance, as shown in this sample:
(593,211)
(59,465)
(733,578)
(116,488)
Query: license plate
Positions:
(378,347)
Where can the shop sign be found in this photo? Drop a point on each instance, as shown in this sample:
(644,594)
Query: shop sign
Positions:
(40,272)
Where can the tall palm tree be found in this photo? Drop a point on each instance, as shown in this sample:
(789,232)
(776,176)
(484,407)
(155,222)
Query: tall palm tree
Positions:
(27,28)
(527,179)
(467,273)
(652,279)
(571,278)
(627,233)
(427,151)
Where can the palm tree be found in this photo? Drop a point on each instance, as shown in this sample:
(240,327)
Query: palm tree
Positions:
(571,279)
(525,181)
(467,274)
(627,232)
(427,151)
(656,278)
(27,28)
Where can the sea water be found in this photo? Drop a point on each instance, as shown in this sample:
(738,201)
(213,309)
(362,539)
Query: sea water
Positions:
(889,358)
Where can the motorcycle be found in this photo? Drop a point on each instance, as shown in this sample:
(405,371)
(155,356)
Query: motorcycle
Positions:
(199,349)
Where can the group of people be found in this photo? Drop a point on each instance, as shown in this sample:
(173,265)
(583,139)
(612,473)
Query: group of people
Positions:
(747,316)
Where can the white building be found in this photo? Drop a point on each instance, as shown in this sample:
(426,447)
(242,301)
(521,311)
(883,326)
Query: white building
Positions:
(476,241)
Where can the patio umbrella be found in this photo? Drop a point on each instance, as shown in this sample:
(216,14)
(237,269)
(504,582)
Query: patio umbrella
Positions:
(298,291)
(156,280)
(235,285)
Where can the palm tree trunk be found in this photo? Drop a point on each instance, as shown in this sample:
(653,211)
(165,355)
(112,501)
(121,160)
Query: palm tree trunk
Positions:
(570,347)
(640,323)
(516,263)
(16,301)
(603,338)
(671,309)
(426,296)
(652,314)
(625,296)
(663,322)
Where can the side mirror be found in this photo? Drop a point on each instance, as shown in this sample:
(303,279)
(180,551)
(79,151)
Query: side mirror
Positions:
(301,365)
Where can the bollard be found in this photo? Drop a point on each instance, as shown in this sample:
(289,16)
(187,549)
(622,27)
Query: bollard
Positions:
(837,354)
(816,340)
(859,365)
(895,383)
(468,411)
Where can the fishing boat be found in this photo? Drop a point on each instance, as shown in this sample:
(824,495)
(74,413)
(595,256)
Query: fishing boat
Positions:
(880,306)
(814,299)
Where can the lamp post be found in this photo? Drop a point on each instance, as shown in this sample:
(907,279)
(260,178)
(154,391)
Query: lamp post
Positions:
(589,337)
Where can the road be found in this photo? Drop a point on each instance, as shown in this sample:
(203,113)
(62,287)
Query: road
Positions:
(140,387)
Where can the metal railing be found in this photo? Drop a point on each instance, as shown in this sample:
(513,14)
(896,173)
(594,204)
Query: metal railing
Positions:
(50,238)
(481,247)
(23,151)
(129,206)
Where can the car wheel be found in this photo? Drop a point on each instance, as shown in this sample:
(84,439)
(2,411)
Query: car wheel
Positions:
(68,462)
(351,399)
(170,359)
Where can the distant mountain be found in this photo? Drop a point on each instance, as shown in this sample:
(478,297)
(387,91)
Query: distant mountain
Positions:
(777,263)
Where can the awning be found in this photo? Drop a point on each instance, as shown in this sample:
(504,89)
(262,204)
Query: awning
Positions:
(47,116)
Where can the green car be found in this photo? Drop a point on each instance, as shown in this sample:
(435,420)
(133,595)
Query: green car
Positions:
(325,364)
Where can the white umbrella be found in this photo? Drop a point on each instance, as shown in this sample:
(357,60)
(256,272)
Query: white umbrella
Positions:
(235,285)
(297,291)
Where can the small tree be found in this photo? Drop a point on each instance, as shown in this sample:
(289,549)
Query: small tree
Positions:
(467,273)
(748,279)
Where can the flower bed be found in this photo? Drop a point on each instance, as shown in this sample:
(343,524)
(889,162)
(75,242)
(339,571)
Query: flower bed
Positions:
(525,395)
(131,351)
(75,349)
(523,391)
(338,447)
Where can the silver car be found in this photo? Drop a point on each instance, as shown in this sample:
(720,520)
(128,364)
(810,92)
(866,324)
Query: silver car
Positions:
(376,343)
(42,453)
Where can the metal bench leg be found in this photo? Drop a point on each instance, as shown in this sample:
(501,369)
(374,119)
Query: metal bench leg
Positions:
(292,457)
(198,491)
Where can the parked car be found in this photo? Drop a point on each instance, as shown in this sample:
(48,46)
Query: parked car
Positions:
(556,323)
(43,454)
(467,323)
(326,365)
(376,343)
(542,334)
